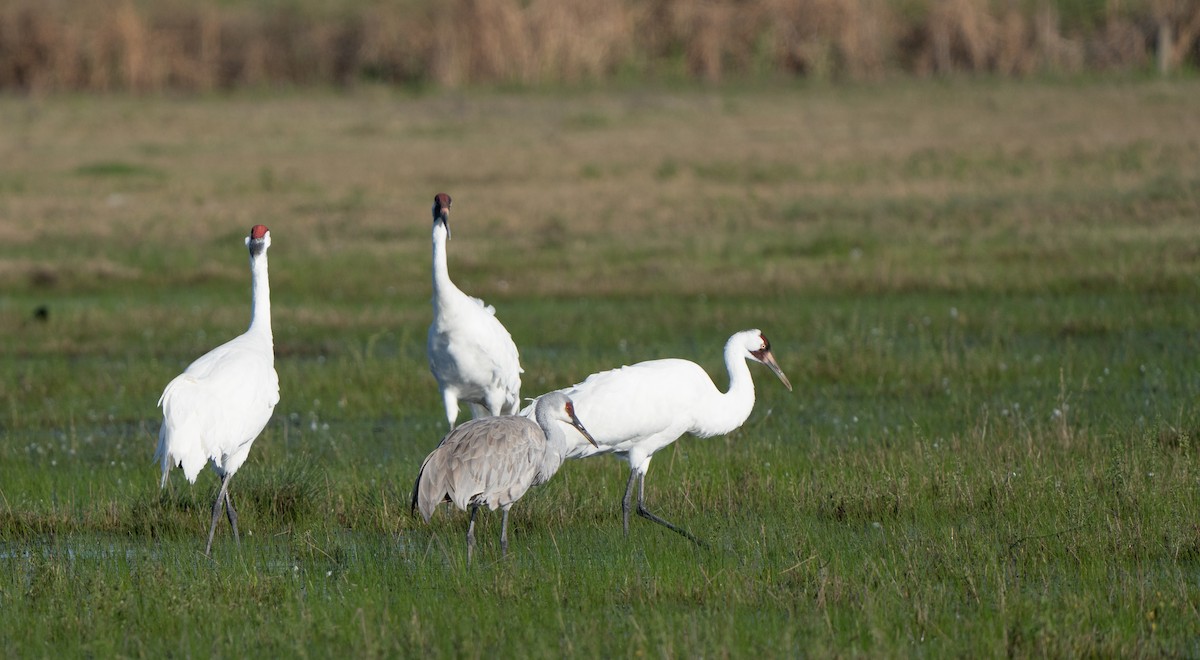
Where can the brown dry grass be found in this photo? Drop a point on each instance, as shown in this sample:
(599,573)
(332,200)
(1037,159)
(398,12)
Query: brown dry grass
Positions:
(642,191)
(128,45)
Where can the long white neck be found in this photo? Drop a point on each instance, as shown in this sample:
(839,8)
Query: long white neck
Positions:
(260,296)
(443,288)
(731,408)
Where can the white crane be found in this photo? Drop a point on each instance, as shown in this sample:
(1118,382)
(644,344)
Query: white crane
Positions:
(493,461)
(634,411)
(471,355)
(214,410)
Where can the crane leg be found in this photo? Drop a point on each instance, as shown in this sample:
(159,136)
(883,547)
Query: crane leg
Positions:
(628,500)
(471,533)
(504,534)
(216,512)
(641,509)
(479,410)
(231,513)
(450,399)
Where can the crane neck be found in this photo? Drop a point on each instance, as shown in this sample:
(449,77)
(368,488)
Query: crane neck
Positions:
(739,372)
(442,286)
(260,296)
(737,402)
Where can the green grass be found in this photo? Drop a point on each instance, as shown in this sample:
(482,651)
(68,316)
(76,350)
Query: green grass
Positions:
(985,294)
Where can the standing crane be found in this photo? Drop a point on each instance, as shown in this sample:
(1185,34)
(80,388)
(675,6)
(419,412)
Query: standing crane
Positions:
(493,461)
(471,354)
(634,411)
(214,410)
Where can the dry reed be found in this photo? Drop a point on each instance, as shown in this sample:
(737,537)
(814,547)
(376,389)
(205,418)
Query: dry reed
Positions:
(100,45)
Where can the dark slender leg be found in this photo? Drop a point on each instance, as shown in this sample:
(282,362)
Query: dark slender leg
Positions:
(641,509)
(504,534)
(231,513)
(479,410)
(628,500)
(216,512)
(471,533)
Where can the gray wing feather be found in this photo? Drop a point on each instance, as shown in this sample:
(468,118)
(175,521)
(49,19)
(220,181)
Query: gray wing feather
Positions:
(491,460)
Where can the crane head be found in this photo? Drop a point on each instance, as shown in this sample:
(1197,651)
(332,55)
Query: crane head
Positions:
(569,409)
(764,355)
(557,407)
(259,240)
(441,211)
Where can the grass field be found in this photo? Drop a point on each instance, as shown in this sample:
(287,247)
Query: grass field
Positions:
(985,293)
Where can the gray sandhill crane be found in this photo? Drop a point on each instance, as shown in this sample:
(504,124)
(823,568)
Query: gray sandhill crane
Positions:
(634,411)
(214,410)
(493,461)
(471,354)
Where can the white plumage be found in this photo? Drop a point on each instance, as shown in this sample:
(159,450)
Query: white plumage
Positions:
(634,411)
(493,461)
(471,354)
(214,410)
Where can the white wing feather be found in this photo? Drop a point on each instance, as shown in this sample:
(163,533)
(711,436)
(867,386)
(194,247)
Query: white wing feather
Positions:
(215,409)
(622,407)
(472,351)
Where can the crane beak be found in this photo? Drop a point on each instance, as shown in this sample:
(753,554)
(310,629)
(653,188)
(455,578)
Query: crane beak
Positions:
(579,426)
(444,218)
(258,245)
(768,358)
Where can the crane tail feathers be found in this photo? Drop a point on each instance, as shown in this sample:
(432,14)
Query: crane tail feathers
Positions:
(192,458)
(416,489)
(429,489)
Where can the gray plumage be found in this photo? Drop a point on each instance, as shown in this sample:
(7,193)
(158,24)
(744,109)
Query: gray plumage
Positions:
(493,461)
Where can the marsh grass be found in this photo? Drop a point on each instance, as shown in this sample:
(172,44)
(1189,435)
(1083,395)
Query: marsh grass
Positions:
(985,295)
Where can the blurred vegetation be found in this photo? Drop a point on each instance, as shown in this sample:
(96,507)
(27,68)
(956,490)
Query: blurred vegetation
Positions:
(196,46)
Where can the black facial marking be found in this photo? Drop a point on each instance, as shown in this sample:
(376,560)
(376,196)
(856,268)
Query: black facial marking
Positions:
(766,348)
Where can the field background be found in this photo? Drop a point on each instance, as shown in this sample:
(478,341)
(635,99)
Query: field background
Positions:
(985,292)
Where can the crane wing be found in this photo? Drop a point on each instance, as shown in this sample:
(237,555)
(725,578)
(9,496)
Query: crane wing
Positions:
(470,349)
(491,460)
(621,406)
(216,408)
(484,306)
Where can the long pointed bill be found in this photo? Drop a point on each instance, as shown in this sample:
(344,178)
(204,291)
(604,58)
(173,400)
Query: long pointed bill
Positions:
(579,425)
(768,359)
(445,220)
